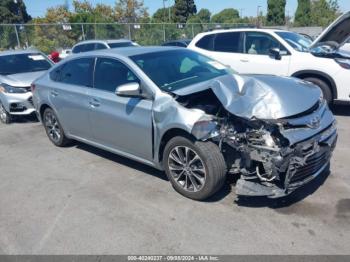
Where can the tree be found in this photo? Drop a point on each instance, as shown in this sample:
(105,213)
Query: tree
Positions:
(184,9)
(226,16)
(13,12)
(276,12)
(204,15)
(324,12)
(130,11)
(303,13)
(162,15)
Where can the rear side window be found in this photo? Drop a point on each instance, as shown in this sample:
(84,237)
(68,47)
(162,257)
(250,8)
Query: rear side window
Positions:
(118,45)
(228,42)
(89,47)
(78,49)
(207,42)
(76,72)
(110,73)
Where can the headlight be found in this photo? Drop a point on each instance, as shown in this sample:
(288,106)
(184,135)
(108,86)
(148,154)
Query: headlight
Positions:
(5,88)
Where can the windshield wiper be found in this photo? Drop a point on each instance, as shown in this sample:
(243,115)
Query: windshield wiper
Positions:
(179,81)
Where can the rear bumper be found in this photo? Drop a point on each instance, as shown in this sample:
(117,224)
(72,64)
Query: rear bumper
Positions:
(295,171)
(18,104)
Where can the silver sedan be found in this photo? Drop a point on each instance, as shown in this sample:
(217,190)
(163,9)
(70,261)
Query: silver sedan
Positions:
(182,112)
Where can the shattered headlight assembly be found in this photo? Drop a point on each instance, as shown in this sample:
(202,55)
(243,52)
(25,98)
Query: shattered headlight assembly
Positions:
(5,88)
(261,139)
(205,128)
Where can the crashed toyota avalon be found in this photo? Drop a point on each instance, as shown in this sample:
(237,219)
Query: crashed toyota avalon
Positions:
(184,113)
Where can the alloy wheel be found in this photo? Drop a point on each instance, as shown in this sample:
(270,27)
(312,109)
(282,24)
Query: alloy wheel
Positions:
(52,127)
(187,168)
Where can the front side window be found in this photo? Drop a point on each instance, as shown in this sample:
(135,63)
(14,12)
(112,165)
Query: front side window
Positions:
(176,69)
(99,46)
(110,73)
(296,41)
(257,43)
(228,42)
(77,72)
(23,63)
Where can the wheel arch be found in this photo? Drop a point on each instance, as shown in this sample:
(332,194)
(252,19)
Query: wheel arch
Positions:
(167,136)
(322,76)
(42,109)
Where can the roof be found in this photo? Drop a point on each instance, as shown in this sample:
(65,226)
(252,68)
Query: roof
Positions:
(132,51)
(18,52)
(244,29)
(108,41)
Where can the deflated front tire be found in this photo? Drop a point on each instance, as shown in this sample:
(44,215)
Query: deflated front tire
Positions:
(196,170)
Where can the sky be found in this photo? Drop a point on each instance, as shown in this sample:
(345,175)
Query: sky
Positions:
(246,7)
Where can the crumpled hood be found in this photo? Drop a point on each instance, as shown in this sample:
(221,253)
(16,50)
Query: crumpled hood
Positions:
(261,96)
(21,80)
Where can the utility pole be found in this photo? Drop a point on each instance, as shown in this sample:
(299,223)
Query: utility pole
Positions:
(241,11)
(258,16)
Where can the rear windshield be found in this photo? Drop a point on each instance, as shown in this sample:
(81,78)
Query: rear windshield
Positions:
(117,45)
(23,63)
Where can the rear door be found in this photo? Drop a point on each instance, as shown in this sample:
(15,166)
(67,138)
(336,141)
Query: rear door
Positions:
(69,95)
(120,123)
(224,47)
(256,57)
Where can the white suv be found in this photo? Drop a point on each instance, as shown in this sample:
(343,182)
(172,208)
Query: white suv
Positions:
(278,52)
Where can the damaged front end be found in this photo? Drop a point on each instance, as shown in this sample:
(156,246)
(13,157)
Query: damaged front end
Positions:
(273,157)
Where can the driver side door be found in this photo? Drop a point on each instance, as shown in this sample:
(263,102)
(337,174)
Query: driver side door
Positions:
(119,123)
(257,58)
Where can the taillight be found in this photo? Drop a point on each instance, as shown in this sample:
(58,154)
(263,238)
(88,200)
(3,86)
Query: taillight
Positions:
(32,87)
(344,63)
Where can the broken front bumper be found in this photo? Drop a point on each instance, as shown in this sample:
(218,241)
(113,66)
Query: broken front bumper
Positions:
(306,161)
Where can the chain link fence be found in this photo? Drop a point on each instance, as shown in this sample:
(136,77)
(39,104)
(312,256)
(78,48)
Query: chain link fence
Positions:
(48,37)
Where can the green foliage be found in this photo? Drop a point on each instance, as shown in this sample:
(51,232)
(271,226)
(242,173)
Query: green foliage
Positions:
(183,10)
(303,13)
(162,15)
(227,16)
(276,12)
(204,15)
(13,12)
(324,12)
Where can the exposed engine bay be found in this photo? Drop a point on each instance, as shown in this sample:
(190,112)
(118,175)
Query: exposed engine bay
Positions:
(271,157)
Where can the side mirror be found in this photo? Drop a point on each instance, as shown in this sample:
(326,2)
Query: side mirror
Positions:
(129,90)
(276,53)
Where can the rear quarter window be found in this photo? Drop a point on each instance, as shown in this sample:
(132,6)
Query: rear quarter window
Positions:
(206,42)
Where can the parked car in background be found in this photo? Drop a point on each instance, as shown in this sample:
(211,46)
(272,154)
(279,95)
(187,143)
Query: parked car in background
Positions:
(179,43)
(18,69)
(187,114)
(278,52)
(91,45)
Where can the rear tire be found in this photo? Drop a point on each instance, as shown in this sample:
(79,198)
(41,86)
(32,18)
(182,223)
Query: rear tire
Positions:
(54,129)
(5,117)
(326,90)
(196,170)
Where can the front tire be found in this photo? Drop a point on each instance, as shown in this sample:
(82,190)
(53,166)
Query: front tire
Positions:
(54,129)
(196,170)
(326,90)
(5,117)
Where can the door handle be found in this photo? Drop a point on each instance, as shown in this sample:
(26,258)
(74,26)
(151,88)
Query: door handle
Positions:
(244,60)
(54,93)
(94,103)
